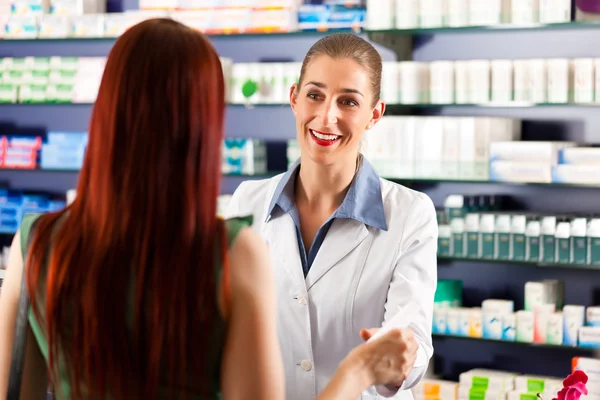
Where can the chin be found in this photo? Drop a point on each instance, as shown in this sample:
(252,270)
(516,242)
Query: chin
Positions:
(321,159)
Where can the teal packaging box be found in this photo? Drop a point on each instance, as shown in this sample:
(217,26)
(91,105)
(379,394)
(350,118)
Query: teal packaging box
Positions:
(487,229)
(503,228)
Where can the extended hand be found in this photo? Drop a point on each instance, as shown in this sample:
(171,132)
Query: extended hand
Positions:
(406,352)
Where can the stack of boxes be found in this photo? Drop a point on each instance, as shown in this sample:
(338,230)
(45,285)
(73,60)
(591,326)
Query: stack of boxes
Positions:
(261,83)
(51,79)
(491,384)
(545,319)
(486,384)
(26,19)
(504,385)
(435,389)
(244,157)
(577,165)
(66,151)
(45,18)
(15,204)
(503,82)
(476,227)
(591,367)
(231,16)
(332,14)
(453,148)
(55,150)
(63,151)
(415,14)
(19,151)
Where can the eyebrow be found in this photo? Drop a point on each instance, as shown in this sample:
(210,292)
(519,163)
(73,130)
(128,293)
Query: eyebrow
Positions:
(323,86)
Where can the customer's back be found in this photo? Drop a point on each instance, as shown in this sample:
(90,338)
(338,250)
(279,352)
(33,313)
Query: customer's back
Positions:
(138,290)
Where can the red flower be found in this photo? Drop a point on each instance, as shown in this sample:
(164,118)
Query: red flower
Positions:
(573,386)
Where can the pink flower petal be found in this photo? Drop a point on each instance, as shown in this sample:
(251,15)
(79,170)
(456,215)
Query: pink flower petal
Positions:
(575,377)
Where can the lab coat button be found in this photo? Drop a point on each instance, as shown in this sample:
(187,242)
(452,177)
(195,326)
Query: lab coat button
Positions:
(301,300)
(306,365)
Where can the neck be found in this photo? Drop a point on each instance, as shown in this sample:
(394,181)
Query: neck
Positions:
(320,186)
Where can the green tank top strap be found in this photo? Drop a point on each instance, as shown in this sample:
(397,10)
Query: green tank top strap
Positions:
(234,226)
(25,231)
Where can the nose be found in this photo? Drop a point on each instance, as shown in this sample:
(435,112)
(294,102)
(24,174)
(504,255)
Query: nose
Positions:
(329,113)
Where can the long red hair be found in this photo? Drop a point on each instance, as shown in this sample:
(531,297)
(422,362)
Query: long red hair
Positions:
(127,271)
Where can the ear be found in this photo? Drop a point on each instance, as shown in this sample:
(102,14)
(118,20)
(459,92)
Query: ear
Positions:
(376,115)
(293,97)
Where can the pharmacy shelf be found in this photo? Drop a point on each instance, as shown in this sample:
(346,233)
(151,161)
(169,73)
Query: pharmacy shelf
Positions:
(572,25)
(546,346)
(76,171)
(391,108)
(232,36)
(539,264)
(408,181)
(404,181)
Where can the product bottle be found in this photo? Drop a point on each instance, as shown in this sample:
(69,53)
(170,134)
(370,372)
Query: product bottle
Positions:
(472,203)
(444,236)
(473,236)
(483,203)
(532,236)
(457,225)
(487,226)
(563,242)
(593,233)
(455,206)
(579,241)
(517,242)
(548,239)
(503,227)
(495,202)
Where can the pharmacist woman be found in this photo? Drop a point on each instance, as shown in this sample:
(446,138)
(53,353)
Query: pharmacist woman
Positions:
(349,249)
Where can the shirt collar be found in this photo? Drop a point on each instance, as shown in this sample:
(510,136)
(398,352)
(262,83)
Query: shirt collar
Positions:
(363,202)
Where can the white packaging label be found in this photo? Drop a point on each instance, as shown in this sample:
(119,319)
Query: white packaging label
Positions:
(407,14)
(442,82)
(502,81)
(584,80)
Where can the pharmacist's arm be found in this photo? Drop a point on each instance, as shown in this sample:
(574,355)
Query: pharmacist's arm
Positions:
(415,279)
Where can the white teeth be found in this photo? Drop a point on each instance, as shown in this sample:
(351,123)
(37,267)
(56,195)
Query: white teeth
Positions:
(323,136)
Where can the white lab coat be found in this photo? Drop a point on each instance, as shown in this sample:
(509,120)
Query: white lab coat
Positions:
(358,279)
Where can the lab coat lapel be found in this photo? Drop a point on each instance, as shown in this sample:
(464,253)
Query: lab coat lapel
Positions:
(280,234)
(344,235)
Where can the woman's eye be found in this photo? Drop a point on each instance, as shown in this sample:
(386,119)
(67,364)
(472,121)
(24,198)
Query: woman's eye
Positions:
(313,96)
(350,103)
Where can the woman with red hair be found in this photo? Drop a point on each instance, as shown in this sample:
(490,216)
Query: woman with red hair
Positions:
(138,290)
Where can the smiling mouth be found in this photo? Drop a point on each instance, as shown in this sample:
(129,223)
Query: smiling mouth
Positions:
(324,139)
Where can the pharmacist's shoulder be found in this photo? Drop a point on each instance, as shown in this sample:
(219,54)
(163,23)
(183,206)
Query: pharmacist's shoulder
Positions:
(253,195)
(400,201)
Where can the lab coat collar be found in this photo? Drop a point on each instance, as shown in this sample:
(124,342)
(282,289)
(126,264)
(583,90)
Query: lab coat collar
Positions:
(363,202)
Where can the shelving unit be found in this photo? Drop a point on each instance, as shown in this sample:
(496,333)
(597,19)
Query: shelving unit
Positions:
(539,264)
(483,278)
(391,107)
(508,27)
(573,25)
(584,351)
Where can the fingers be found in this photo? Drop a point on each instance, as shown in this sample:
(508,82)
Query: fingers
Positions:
(365,334)
(406,346)
(405,337)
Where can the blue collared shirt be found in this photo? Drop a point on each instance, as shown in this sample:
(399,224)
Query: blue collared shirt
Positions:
(363,203)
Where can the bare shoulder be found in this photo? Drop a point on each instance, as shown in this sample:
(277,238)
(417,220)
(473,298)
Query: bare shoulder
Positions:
(249,258)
